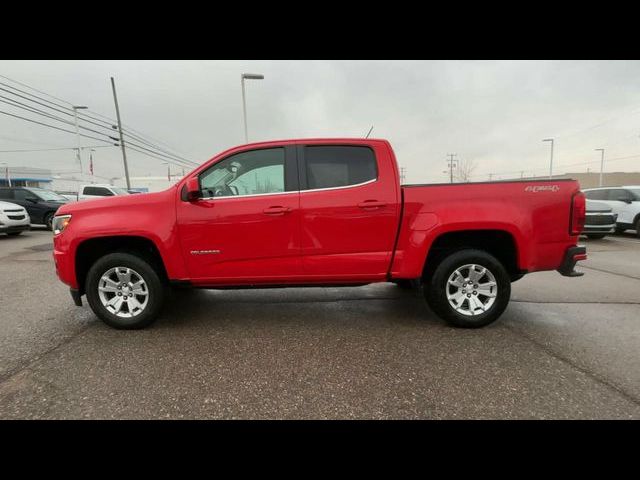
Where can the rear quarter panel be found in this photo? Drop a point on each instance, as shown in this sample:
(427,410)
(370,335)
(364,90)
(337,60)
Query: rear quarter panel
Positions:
(535,214)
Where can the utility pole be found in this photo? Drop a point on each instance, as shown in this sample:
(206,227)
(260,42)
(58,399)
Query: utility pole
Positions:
(402,175)
(601,164)
(75,121)
(451,163)
(124,153)
(522,174)
(490,176)
(551,163)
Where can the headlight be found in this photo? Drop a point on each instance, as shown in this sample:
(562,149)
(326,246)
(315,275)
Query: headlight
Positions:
(60,223)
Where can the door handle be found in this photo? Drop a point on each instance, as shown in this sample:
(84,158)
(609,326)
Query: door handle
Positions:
(371,204)
(276,210)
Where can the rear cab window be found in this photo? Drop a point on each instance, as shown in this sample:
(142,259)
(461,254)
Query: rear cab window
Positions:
(98,191)
(334,166)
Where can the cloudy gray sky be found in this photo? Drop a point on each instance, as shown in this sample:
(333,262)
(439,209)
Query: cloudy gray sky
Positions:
(494,113)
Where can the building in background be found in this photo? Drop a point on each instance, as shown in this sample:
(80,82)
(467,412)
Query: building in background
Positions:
(592,179)
(609,179)
(26,177)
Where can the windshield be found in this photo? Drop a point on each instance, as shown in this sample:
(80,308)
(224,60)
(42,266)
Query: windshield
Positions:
(48,195)
(119,191)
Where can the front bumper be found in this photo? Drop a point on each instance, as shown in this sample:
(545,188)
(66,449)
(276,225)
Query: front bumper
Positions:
(14,228)
(571,257)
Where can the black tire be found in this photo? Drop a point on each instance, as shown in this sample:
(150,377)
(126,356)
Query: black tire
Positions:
(48,220)
(637,226)
(14,234)
(436,290)
(596,236)
(155,287)
(404,284)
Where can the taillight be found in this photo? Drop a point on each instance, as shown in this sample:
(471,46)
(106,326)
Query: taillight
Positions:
(578,212)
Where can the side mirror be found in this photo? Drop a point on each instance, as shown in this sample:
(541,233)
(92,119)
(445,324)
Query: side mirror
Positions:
(32,199)
(193,189)
(624,199)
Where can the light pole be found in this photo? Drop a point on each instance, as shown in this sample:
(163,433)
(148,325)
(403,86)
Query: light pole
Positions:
(601,164)
(6,173)
(75,120)
(243,77)
(550,164)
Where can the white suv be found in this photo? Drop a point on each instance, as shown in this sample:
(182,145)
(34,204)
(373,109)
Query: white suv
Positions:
(14,219)
(625,201)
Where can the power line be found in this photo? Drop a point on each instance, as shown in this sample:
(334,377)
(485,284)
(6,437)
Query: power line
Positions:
(53,149)
(108,123)
(158,148)
(52,126)
(48,115)
(182,162)
(159,158)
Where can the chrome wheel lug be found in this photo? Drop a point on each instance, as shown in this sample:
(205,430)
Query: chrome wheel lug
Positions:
(468,295)
(475,293)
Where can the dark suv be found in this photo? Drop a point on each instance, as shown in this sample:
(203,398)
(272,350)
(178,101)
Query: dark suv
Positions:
(40,204)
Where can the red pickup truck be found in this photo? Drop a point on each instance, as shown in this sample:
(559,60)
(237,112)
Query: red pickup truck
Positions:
(317,212)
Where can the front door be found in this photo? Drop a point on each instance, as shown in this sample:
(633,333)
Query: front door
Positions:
(246,227)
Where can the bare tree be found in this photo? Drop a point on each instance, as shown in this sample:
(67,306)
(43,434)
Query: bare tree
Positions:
(464,171)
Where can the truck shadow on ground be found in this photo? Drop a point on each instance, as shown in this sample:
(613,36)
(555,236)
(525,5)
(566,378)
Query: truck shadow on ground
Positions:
(383,304)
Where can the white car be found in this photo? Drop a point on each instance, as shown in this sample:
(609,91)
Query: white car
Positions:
(88,192)
(14,219)
(624,201)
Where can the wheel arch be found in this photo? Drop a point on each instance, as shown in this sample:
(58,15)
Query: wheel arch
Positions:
(499,243)
(90,250)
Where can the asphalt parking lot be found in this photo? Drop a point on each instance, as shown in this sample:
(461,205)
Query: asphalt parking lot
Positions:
(565,349)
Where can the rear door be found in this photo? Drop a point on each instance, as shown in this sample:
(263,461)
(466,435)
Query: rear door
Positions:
(620,200)
(349,202)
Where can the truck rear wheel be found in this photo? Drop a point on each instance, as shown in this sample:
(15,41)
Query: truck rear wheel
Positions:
(469,289)
(124,291)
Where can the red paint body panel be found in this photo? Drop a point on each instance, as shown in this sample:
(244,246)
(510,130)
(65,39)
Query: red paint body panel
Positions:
(324,235)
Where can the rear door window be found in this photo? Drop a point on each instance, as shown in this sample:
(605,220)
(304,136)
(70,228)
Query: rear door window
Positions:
(338,166)
(618,194)
(6,193)
(597,195)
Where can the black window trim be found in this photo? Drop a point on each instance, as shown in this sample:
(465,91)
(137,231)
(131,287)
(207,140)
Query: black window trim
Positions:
(302,166)
(290,172)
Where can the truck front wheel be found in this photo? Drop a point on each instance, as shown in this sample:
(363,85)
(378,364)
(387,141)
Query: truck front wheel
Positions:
(124,291)
(469,289)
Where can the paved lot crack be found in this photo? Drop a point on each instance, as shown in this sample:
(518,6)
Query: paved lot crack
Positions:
(34,361)
(593,375)
(609,271)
